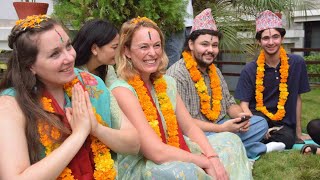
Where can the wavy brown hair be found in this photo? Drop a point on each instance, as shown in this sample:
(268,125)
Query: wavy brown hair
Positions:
(124,66)
(28,88)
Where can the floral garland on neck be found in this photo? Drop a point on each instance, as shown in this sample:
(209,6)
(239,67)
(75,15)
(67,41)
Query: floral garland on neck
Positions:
(211,112)
(283,87)
(104,164)
(150,110)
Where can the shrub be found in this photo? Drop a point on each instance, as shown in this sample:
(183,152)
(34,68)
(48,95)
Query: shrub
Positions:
(313,68)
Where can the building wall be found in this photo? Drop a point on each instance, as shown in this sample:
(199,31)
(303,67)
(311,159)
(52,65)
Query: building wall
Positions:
(8,12)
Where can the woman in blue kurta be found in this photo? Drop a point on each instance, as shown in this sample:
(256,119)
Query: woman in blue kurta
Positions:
(151,102)
(56,121)
(95,44)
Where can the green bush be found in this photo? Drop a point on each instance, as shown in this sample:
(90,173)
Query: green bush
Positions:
(313,68)
(168,14)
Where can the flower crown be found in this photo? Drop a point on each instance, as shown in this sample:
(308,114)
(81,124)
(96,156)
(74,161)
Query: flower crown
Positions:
(31,21)
(141,19)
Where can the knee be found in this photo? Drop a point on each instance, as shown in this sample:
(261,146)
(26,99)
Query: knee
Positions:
(259,124)
(231,136)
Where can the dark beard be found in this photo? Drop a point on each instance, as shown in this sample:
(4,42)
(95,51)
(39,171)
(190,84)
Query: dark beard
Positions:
(202,63)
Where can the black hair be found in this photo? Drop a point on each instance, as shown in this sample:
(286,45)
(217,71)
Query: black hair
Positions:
(195,34)
(96,31)
(282,32)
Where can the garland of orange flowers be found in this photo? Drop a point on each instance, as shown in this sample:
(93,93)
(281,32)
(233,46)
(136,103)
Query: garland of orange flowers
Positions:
(104,164)
(283,87)
(212,113)
(150,111)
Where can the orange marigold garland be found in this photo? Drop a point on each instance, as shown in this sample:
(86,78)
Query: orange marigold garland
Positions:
(104,164)
(150,111)
(212,112)
(283,87)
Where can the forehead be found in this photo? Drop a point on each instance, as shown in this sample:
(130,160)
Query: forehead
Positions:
(142,34)
(207,38)
(270,32)
(52,38)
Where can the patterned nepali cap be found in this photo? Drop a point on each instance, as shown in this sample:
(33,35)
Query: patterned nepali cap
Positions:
(204,20)
(267,20)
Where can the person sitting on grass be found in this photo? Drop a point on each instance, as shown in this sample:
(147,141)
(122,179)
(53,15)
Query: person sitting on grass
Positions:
(56,121)
(313,129)
(96,44)
(271,86)
(151,102)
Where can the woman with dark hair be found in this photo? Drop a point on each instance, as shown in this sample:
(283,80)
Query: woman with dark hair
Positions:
(313,129)
(95,44)
(56,121)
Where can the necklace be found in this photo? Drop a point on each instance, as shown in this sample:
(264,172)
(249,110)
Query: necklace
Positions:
(211,111)
(283,87)
(104,164)
(150,110)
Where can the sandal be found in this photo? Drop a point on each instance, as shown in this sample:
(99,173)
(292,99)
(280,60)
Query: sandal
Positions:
(311,146)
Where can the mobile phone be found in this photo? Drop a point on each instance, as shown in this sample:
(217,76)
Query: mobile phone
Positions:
(243,119)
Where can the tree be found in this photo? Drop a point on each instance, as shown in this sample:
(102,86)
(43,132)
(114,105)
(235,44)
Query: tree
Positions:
(168,14)
(234,16)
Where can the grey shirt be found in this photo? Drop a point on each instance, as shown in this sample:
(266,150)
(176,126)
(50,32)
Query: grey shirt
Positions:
(189,94)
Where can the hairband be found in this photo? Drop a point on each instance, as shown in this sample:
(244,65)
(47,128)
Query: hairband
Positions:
(142,19)
(31,21)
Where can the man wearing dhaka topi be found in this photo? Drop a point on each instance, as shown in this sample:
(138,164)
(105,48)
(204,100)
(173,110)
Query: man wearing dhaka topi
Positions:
(271,85)
(205,92)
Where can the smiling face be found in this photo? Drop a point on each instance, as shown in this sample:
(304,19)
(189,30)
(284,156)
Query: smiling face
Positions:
(270,42)
(55,60)
(145,51)
(105,54)
(204,49)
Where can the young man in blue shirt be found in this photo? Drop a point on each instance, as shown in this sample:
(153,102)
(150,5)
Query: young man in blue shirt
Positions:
(271,85)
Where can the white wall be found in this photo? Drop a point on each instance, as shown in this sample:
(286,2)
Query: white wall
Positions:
(7,10)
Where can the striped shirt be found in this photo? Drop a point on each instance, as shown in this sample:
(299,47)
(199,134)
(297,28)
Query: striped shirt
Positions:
(189,94)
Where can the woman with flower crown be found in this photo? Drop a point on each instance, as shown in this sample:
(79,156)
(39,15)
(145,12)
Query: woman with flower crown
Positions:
(151,102)
(56,121)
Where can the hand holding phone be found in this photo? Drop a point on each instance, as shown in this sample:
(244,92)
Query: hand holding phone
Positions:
(243,119)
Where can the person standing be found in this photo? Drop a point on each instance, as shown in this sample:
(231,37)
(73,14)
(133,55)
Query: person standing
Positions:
(271,86)
(175,41)
(205,92)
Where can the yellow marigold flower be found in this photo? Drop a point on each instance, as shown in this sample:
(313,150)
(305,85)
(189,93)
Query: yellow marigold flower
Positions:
(283,87)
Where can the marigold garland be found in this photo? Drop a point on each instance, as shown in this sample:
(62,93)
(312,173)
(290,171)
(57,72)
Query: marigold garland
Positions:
(150,111)
(104,164)
(212,112)
(283,87)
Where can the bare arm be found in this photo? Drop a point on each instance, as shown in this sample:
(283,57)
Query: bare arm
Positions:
(125,140)
(245,107)
(190,129)
(151,145)
(298,118)
(14,157)
(234,111)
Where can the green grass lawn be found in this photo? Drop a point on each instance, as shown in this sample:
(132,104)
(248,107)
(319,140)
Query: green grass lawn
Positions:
(291,165)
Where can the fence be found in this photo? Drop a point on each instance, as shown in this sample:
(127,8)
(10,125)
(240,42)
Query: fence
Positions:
(316,62)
